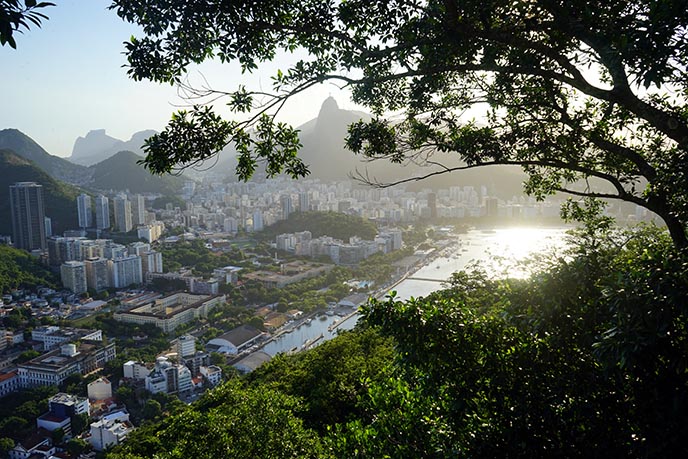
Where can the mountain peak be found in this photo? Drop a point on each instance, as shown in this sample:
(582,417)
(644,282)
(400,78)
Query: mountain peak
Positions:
(329,106)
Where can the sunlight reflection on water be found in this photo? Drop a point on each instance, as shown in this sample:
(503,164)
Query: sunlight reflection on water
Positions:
(501,251)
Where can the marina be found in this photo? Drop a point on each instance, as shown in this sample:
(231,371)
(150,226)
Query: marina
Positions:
(499,251)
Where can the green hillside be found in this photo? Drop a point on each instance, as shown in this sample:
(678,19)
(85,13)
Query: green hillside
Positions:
(56,167)
(18,269)
(334,224)
(60,198)
(121,172)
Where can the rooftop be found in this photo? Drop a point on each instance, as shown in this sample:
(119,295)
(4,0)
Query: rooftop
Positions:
(240,335)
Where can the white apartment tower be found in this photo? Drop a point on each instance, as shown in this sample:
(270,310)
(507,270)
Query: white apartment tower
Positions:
(138,210)
(125,271)
(97,274)
(258,221)
(151,262)
(102,212)
(122,214)
(73,275)
(83,207)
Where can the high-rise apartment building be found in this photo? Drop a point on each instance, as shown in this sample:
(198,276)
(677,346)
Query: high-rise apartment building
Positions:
(304,202)
(258,221)
(138,210)
(287,208)
(122,214)
(151,262)
(83,207)
(102,212)
(97,273)
(73,275)
(125,271)
(28,215)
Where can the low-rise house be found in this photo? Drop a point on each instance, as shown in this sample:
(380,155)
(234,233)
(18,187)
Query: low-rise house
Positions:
(61,408)
(212,374)
(110,430)
(37,445)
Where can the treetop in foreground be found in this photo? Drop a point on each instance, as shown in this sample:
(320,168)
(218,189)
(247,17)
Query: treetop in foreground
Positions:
(579,93)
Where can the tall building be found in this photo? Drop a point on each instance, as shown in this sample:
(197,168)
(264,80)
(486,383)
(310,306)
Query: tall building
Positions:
(138,210)
(122,214)
(73,275)
(432,204)
(186,345)
(125,271)
(97,274)
(258,221)
(287,208)
(28,215)
(151,262)
(48,226)
(83,207)
(304,202)
(102,212)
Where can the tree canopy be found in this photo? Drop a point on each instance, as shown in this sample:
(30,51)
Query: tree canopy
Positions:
(574,91)
(16,15)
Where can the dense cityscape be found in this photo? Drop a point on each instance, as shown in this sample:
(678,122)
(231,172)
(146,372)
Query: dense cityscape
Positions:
(343,229)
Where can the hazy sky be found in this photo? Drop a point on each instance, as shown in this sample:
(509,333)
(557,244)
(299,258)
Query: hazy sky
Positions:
(66,79)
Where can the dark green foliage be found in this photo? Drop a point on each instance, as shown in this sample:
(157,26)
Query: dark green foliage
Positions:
(585,359)
(17,16)
(60,198)
(162,201)
(196,255)
(331,378)
(58,168)
(333,224)
(76,446)
(6,444)
(18,269)
(27,355)
(18,411)
(231,421)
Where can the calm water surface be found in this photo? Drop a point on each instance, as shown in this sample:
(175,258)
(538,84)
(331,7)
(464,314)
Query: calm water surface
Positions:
(498,251)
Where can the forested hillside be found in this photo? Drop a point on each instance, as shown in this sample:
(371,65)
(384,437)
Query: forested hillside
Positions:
(19,269)
(60,198)
(334,224)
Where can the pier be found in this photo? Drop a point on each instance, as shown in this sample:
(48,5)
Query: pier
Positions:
(426,279)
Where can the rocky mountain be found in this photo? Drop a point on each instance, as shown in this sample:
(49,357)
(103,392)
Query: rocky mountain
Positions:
(121,172)
(325,153)
(97,146)
(56,167)
(327,159)
(60,198)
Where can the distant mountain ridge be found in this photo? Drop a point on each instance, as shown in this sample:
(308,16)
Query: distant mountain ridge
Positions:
(97,146)
(59,168)
(324,151)
(119,172)
(60,198)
